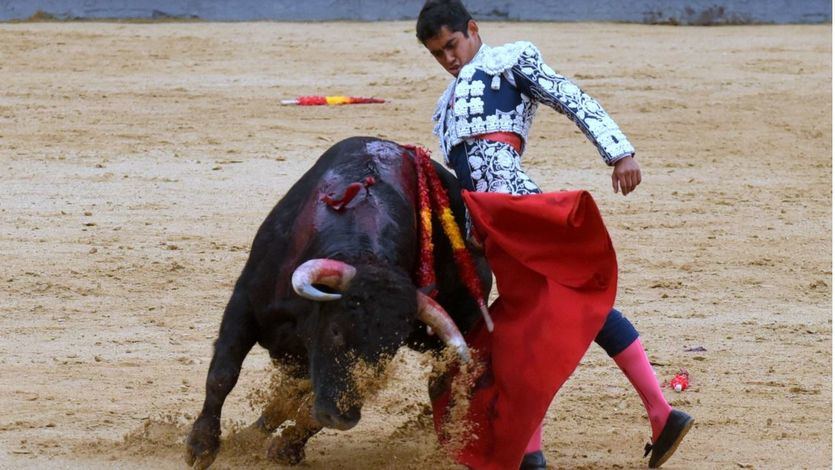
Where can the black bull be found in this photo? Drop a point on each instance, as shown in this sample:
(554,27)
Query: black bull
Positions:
(357,257)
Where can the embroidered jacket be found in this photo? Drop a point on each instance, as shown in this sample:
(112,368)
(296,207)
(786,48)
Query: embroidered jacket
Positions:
(499,90)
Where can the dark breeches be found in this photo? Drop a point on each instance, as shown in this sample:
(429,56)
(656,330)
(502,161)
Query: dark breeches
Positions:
(617,334)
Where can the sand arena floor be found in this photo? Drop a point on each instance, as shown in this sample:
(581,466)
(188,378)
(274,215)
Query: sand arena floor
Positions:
(138,160)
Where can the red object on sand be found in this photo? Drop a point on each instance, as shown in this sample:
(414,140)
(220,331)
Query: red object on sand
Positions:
(681,381)
(333,100)
(556,274)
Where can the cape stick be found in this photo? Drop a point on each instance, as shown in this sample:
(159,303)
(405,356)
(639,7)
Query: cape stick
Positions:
(330,100)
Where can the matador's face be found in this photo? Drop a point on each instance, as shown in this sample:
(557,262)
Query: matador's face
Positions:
(454,50)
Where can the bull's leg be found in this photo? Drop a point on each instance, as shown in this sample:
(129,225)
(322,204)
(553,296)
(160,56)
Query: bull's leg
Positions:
(292,400)
(288,448)
(274,415)
(289,390)
(236,338)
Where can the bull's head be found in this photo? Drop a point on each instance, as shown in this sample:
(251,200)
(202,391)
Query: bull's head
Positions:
(363,315)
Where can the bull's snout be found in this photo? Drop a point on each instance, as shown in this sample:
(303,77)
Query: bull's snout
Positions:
(330,417)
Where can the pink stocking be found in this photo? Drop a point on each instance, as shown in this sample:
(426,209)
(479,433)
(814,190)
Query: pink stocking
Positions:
(634,363)
(535,443)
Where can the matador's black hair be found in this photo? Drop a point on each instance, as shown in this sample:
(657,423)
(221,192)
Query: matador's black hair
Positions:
(436,14)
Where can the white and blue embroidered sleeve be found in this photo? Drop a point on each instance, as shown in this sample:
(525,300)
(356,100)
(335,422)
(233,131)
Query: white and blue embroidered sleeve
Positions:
(537,80)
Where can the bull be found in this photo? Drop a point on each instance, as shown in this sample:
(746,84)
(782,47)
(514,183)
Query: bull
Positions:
(329,284)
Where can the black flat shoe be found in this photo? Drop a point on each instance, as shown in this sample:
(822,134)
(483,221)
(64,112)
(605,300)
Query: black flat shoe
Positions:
(533,461)
(678,423)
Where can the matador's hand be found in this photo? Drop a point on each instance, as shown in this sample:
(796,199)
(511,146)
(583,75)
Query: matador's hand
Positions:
(626,175)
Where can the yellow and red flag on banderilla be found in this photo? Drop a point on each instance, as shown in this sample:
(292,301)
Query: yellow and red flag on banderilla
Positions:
(330,100)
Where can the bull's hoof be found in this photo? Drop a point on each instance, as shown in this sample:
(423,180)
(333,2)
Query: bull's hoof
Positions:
(201,462)
(286,452)
(202,446)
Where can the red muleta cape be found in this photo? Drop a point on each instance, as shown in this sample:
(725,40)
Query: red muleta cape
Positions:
(556,275)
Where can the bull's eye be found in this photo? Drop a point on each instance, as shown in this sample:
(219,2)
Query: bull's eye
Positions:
(337,335)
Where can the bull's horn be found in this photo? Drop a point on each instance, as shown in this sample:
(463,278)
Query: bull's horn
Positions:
(328,272)
(431,313)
